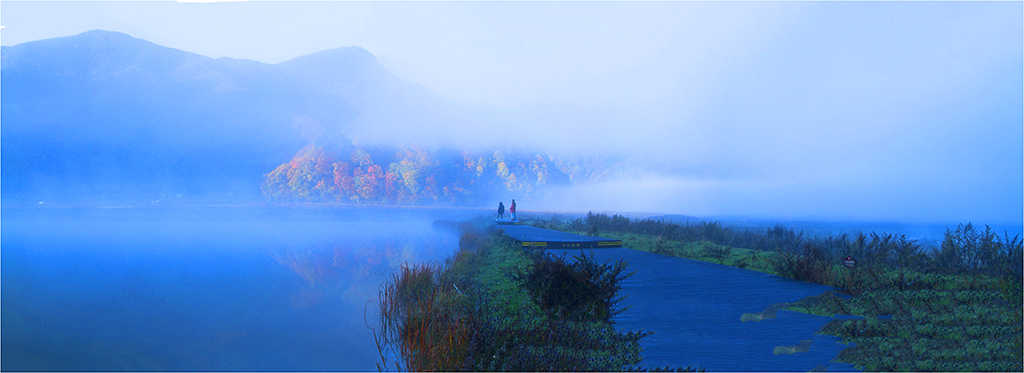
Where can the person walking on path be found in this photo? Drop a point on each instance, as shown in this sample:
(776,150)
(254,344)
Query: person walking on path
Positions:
(501,210)
(512,210)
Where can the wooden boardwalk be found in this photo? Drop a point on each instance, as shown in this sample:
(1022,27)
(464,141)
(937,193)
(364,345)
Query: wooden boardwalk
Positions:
(548,239)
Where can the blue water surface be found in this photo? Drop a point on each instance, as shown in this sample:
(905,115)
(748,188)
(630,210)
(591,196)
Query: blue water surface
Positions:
(694,310)
(257,288)
(201,288)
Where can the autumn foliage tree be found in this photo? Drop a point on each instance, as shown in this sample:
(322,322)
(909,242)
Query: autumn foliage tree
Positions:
(339,171)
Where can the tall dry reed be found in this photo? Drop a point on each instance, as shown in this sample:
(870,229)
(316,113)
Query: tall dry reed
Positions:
(425,320)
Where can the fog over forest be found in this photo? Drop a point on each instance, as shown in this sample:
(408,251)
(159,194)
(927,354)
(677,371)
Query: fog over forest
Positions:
(207,185)
(902,112)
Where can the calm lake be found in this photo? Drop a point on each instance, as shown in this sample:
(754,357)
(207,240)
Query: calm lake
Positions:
(287,289)
(202,288)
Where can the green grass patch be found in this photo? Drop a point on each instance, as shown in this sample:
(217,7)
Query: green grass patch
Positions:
(957,310)
(946,328)
(804,346)
(705,251)
(494,307)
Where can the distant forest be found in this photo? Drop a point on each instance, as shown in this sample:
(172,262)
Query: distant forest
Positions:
(339,171)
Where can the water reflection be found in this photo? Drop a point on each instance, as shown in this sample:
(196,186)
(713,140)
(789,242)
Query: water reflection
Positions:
(201,288)
(285,289)
(354,268)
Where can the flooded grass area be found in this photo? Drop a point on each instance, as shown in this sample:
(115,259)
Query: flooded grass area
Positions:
(930,321)
(695,311)
(896,305)
(964,324)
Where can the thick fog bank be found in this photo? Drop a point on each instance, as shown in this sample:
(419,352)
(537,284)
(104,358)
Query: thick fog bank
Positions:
(902,111)
(779,201)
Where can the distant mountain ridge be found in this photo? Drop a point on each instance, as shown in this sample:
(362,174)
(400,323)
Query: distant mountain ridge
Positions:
(102,116)
(105,114)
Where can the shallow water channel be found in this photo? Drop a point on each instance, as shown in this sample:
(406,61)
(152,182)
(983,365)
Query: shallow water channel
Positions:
(694,310)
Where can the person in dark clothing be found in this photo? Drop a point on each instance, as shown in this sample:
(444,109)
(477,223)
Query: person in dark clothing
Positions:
(512,210)
(501,210)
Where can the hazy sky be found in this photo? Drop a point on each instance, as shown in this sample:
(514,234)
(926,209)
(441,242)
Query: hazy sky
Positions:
(909,111)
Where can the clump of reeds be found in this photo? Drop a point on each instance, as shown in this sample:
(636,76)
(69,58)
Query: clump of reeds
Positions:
(425,320)
(810,264)
(493,307)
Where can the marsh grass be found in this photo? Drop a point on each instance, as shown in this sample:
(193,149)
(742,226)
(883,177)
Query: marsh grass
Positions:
(945,323)
(803,346)
(958,308)
(494,307)
(706,251)
(426,321)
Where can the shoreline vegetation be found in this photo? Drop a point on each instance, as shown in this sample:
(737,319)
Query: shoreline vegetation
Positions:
(956,307)
(493,306)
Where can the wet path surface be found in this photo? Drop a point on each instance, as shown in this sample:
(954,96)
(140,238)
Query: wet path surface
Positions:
(550,239)
(694,310)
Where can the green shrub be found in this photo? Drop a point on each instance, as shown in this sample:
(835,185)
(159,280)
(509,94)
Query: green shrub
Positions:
(493,307)
(717,252)
(581,290)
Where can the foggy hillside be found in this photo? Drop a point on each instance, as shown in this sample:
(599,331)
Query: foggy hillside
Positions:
(104,116)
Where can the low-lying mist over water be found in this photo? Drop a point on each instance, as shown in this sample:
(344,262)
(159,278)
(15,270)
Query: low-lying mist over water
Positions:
(193,288)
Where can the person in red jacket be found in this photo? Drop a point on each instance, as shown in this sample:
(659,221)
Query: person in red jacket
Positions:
(512,210)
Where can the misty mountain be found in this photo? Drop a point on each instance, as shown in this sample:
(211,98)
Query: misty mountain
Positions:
(102,115)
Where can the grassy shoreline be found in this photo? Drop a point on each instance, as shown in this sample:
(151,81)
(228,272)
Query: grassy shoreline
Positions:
(913,311)
(493,306)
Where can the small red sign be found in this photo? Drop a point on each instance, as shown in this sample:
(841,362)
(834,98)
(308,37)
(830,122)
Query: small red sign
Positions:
(850,262)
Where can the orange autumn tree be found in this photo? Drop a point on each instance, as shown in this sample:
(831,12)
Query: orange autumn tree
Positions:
(339,171)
